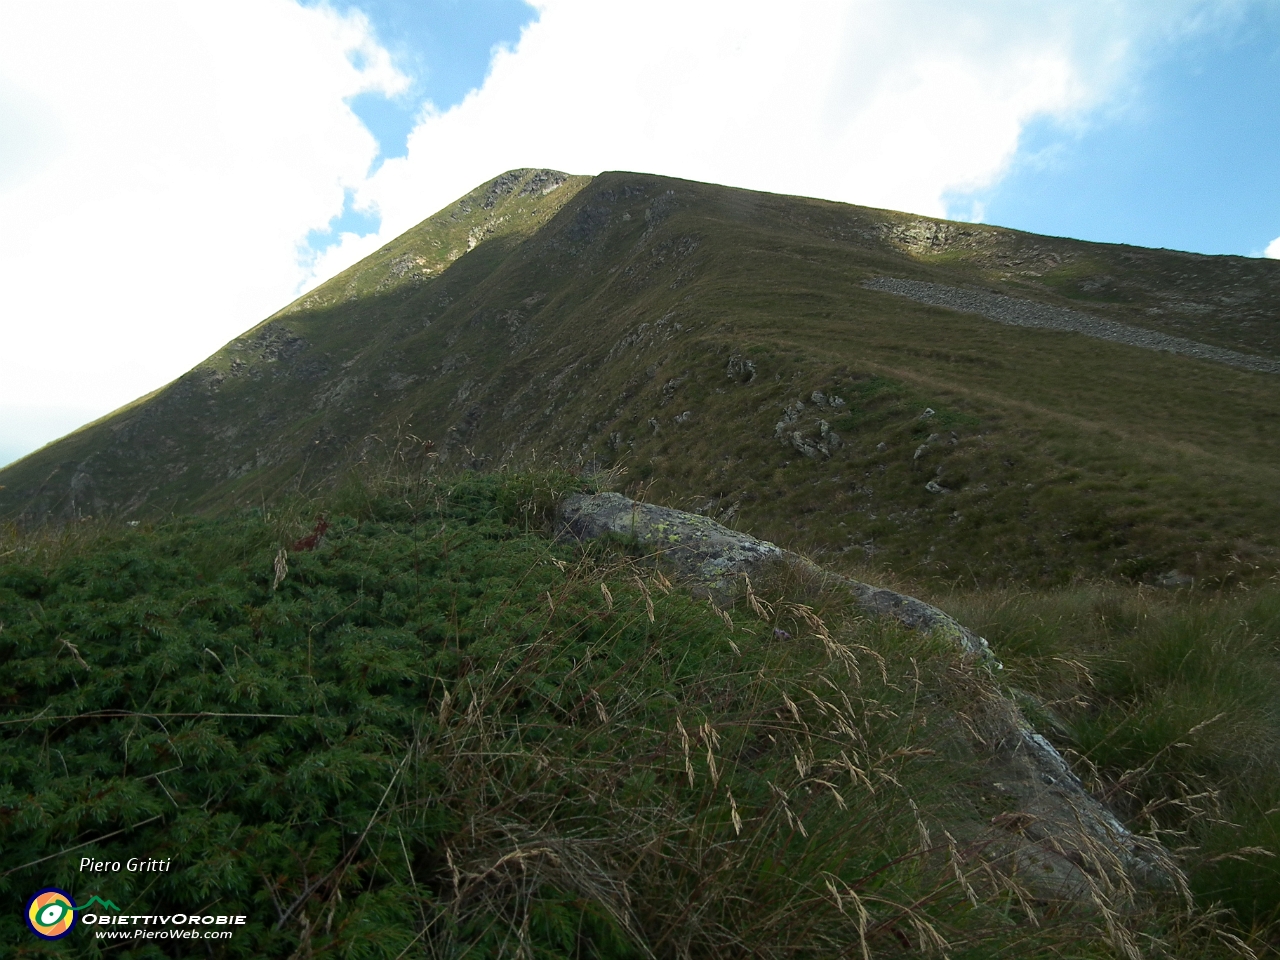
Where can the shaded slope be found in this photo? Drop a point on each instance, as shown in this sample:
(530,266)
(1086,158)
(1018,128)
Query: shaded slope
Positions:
(702,337)
(259,399)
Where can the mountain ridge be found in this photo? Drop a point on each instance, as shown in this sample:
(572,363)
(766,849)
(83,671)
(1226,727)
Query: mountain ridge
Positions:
(699,336)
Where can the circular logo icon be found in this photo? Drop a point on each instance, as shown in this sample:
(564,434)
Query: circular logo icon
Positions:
(51,913)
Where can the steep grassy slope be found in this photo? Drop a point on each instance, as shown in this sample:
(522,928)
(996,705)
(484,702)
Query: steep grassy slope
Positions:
(720,345)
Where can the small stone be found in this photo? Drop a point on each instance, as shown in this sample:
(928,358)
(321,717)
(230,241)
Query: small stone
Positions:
(928,412)
(1175,579)
(741,369)
(881,447)
(934,487)
(811,450)
(831,439)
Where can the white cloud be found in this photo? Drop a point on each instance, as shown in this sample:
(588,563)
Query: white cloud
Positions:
(893,103)
(1273,249)
(176,154)
(186,150)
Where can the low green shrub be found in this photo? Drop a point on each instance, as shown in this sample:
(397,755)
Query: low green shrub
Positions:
(439,733)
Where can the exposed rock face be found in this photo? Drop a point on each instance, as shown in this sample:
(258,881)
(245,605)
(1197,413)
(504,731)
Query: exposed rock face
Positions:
(790,416)
(741,369)
(813,447)
(695,545)
(1064,843)
(713,555)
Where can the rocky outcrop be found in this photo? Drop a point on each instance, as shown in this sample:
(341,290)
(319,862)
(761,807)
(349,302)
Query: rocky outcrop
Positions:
(1065,844)
(741,369)
(815,440)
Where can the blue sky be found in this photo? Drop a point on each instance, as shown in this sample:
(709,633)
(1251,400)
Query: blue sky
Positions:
(1189,159)
(232,155)
(444,46)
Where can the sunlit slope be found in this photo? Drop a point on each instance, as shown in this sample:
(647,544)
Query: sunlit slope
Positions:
(675,328)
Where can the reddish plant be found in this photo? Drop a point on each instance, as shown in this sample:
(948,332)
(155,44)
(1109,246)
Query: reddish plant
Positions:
(311,540)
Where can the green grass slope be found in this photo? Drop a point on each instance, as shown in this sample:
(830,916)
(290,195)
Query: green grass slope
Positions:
(433,731)
(696,336)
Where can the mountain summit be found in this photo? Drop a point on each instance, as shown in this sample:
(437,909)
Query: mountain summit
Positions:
(947,399)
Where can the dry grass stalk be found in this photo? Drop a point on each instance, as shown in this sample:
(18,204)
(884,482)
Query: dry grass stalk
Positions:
(684,747)
(712,740)
(71,648)
(648,600)
(281,567)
